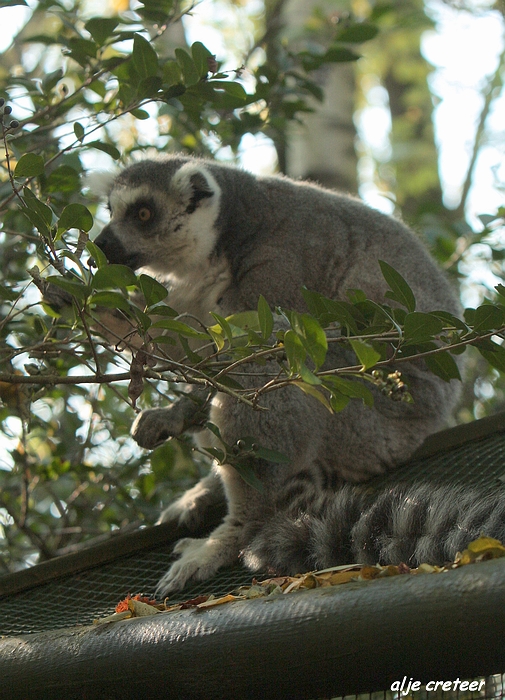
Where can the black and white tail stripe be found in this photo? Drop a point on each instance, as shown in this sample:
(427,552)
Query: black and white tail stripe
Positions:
(406,523)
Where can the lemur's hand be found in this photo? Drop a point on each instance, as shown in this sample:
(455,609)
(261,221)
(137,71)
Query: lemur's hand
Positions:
(154,426)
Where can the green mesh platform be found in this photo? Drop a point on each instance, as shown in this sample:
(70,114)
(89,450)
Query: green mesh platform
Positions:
(92,583)
(81,598)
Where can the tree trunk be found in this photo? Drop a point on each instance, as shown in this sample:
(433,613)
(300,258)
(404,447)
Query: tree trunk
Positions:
(321,148)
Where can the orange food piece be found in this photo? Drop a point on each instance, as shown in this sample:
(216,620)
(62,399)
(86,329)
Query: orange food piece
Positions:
(123,604)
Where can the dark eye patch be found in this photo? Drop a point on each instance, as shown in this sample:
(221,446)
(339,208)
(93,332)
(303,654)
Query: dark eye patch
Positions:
(142,212)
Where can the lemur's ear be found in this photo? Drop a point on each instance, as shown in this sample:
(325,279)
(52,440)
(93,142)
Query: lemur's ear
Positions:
(201,190)
(195,184)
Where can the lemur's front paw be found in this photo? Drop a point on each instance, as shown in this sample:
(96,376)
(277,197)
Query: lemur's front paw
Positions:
(200,559)
(154,426)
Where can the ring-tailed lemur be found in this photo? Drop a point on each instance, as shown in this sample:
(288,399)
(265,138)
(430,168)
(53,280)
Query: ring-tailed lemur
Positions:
(219,237)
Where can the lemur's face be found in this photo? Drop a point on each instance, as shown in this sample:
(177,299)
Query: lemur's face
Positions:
(163,216)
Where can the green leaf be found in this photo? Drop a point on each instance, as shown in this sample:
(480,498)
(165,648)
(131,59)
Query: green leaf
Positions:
(401,292)
(335,54)
(148,87)
(469,315)
(265,317)
(246,471)
(313,338)
(39,38)
(271,455)
(357,33)
(355,296)
(100,89)
(382,9)
(113,276)
(144,57)
(311,334)
(231,88)
(450,320)
(97,254)
(76,289)
(163,310)
(224,326)
(365,353)
(295,351)
(249,444)
(37,221)
(38,213)
(7,293)
(12,3)
(112,300)
(29,165)
(101,28)
(173,92)
(181,328)
(140,114)
(495,356)
(169,340)
(328,310)
(201,54)
(63,180)
(50,80)
(382,316)
(420,327)
(225,380)
(79,131)
(309,377)
(312,87)
(188,68)
(34,204)
(152,290)
(157,11)
(192,356)
(214,430)
(75,216)
(216,453)
(81,50)
(487,219)
(243,321)
(108,148)
(443,365)
(487,318)
(315,393)
(172,74)
(217,335)
(338,54)
(352,388)
(142,318)
(338,401)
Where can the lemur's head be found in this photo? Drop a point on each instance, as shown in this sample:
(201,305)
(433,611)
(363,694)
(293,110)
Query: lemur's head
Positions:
(163,215)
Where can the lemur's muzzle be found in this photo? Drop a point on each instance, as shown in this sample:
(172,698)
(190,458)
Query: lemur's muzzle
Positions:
(114,251)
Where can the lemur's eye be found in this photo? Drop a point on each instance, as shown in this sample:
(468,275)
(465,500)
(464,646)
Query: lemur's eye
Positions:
(144,214)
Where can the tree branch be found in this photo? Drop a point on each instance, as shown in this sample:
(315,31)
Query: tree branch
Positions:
(489,92)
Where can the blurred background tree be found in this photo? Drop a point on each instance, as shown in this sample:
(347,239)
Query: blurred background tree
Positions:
(288,91)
